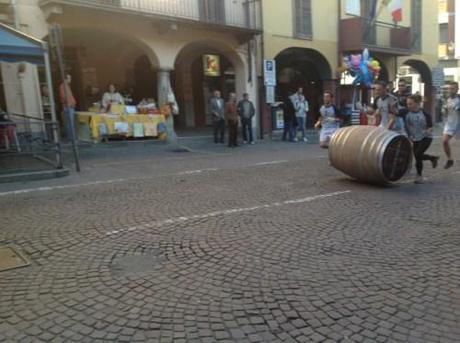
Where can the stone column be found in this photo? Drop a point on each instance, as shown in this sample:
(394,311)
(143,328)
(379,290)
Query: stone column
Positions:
(164,89)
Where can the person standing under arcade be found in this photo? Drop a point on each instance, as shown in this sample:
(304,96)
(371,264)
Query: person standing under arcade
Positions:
(231,116)
(68,105)
(218,117)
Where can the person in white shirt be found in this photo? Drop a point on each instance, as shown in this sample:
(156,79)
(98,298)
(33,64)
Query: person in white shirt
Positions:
(328,121)
(111,97)
(301,110)
(451,111)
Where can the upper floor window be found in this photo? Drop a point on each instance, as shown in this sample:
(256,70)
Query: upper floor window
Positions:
(443,34)
(442,6)
(212,11)
(302,19)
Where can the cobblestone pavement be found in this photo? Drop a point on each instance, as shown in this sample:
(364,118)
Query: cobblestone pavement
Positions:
(262,245)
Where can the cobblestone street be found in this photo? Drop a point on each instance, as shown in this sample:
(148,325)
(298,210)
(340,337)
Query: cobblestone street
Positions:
(263,243)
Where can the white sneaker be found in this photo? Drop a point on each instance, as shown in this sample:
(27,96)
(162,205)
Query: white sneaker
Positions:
(296,140)
(419,180)
(244,142)
(305,139)
(252,143)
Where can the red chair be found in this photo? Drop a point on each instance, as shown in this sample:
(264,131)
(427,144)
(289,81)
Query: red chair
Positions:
(8,134)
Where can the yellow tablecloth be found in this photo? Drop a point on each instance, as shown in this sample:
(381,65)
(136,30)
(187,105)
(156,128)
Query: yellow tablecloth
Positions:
(93,120)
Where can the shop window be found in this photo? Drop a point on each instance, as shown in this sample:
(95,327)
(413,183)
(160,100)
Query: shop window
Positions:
(303,19)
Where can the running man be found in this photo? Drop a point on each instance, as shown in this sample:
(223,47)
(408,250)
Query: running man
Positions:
(328,122)
(385,109)
(419,126)
(451,111)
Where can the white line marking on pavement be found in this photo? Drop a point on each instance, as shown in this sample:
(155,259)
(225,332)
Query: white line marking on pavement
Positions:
(187,172)
(225,212)
(268,163)
(198,171)
(50,188)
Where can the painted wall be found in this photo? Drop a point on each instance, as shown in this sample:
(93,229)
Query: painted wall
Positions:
(279,31)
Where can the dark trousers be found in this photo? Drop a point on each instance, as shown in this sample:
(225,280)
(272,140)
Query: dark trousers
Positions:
(289,130)
(219,130)
(232,133)
(246,125)
(419,152)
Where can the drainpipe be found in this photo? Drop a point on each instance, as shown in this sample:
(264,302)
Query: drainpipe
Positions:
(14,6)
(339,53)
(262,48)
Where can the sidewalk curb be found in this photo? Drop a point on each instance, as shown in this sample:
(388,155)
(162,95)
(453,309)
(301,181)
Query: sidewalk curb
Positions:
(34,176)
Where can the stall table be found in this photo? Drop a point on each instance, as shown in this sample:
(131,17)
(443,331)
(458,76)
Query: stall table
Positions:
(88,124)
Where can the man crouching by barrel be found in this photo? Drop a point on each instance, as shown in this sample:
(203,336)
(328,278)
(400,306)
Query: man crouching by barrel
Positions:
(328,122)
(385,109)
(419,128)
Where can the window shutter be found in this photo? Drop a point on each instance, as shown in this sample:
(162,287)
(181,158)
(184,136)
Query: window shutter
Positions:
(303,18)
(416,29)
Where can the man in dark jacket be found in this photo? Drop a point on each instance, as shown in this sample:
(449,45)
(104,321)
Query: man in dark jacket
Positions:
(289,119)
(246,111)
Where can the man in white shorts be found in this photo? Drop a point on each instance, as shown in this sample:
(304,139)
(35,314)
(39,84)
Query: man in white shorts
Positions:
(451,111)
(329,122)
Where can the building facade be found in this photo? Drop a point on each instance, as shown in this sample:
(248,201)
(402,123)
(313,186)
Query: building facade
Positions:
(449,29)
(148,49)
(308,39)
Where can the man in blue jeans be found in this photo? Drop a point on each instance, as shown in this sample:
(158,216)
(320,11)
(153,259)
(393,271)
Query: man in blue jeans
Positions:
(301,109)
(68,104)
(246,111)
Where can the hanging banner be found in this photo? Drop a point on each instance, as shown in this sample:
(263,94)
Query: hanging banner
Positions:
(211,65)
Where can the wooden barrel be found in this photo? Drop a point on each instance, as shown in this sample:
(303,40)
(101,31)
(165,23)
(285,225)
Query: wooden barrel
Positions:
(370,154)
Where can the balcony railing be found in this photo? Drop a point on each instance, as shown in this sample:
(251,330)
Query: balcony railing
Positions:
(357,33)
(240,14)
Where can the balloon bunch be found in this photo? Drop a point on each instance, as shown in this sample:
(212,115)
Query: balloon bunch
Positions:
(362,67)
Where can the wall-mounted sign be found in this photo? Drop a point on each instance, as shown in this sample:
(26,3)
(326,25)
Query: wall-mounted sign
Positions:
(279,119)
(270,72)
(211,65)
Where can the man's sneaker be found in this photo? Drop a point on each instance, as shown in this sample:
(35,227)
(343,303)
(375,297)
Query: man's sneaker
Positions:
(252,143)
(244,142)
(419,180)
(434,161)
(449,164)
(296,140)
(305,139)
